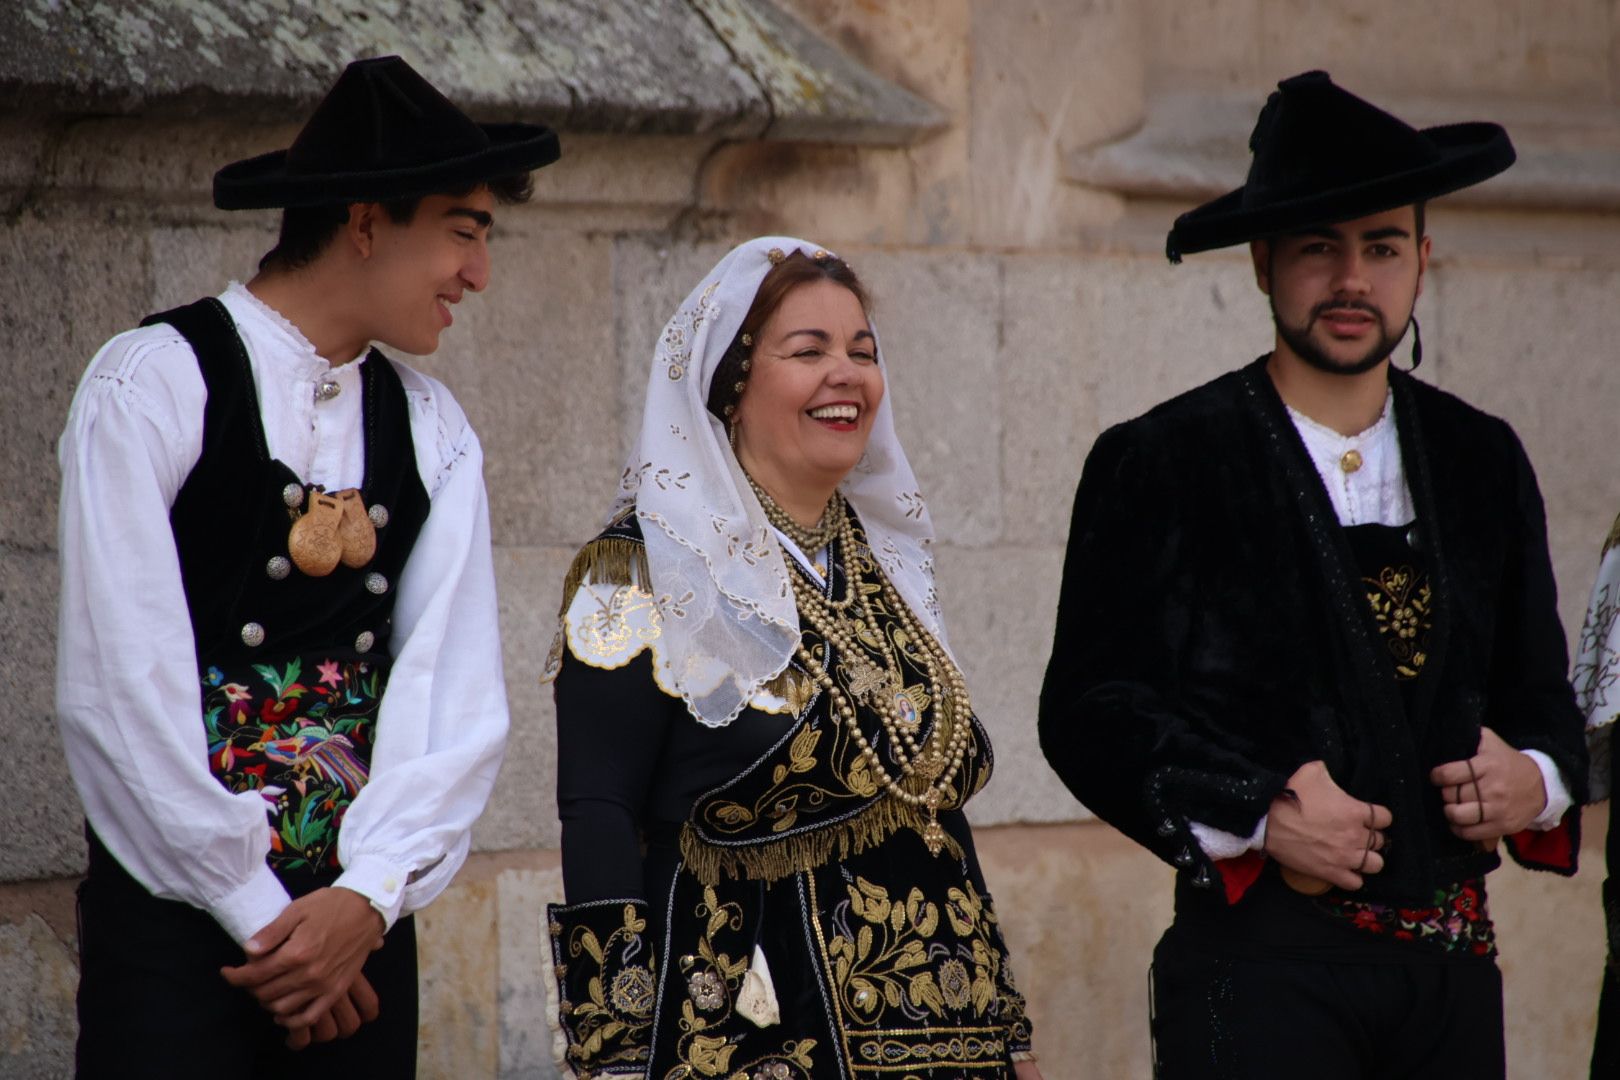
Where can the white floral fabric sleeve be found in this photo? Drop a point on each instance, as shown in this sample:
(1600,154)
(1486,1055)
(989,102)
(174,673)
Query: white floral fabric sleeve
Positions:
(1597,665)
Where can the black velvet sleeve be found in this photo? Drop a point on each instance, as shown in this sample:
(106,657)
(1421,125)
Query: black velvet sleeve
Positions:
(1531,703)
(1116,711)
(612,726)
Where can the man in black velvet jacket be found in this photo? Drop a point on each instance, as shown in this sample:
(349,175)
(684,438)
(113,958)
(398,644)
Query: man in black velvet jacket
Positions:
(1307,647)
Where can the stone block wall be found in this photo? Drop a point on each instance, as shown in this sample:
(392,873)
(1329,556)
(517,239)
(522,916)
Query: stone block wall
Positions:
(1022,309)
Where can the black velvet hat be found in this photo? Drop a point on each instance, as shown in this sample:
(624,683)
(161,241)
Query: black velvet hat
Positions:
(1323,155)
(382,132)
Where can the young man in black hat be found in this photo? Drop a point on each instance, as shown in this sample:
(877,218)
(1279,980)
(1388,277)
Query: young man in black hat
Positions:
(1307,646)
(279,671)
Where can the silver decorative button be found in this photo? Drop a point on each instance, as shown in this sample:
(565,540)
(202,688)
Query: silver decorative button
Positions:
(293,496)
(278,567)
(376,583)
(365,641)
(327,389)
(252,635)
(378,514)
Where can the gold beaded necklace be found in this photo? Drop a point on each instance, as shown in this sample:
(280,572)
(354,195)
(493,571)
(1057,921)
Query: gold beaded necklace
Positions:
(812,539)
(935,763)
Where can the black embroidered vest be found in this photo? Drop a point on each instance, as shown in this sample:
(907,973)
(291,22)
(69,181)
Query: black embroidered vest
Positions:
(232,514)
(292,667)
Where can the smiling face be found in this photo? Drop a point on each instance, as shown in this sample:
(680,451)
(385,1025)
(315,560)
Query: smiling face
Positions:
(415,271)
(812,393)
(1342,295)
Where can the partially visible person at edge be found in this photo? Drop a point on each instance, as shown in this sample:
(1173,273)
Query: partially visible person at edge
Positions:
(1308,650)
(278,672)
(1597,689)
(764,742)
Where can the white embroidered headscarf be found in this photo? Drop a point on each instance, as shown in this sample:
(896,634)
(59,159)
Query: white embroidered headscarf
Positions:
(719,578)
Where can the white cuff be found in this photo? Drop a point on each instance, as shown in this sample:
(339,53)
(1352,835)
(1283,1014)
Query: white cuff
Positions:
(1552,782)
(1220,845)
(253,906)
(379,881)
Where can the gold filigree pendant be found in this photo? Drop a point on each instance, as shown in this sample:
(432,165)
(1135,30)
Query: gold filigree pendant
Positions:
(866,679)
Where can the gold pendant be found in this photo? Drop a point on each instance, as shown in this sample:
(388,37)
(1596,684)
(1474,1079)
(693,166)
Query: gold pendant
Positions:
(333,528)
(313,539)
(933,835)
(866,679)
(358,535)
(906,716)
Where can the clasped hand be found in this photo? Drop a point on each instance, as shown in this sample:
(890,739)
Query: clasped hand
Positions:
(304,967)
(1316,828)
(1496,793)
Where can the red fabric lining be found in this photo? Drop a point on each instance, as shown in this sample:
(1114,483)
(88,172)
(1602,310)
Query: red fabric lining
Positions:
(1238,874)
(1553,849)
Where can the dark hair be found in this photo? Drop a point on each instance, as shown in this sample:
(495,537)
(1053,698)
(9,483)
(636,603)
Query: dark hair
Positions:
(1418,213)
(730,376)
(307,230)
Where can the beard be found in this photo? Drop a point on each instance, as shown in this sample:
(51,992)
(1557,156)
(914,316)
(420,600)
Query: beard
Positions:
(1298,338)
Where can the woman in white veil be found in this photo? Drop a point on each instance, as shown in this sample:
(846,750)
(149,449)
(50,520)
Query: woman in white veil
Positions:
(764,743)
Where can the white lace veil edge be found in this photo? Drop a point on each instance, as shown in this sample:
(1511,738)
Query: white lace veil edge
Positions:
(720,581)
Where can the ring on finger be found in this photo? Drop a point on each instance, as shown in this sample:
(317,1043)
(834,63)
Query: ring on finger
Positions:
(1478,797)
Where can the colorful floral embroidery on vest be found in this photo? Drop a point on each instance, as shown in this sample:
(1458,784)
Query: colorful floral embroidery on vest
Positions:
(306,748)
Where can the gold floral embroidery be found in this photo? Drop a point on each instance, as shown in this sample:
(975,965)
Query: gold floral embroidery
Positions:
(604,967)
(615,628)
(608,618)
(1403,608)
(713,975)
(921,984)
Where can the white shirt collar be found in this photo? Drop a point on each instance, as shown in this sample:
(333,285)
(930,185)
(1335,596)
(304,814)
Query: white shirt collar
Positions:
(1373,491)
(280,344)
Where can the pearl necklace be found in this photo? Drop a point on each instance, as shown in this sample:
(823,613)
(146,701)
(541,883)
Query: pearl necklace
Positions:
(935,765)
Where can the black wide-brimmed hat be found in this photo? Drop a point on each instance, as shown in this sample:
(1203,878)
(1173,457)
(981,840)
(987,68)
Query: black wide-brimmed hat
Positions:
(1323,155)
(382,132)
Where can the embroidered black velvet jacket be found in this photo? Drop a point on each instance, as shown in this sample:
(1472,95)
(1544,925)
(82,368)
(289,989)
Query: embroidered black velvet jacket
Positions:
(1211,636)
(687,848)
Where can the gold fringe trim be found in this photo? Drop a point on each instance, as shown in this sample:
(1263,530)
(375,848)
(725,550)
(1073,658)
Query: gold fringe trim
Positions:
(607,560)
(773,860)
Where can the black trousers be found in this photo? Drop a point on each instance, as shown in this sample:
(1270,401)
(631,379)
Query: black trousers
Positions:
(152,1002)
(1217,1015)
